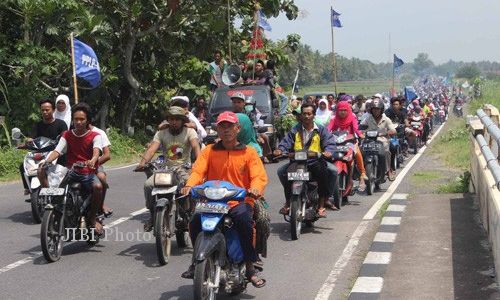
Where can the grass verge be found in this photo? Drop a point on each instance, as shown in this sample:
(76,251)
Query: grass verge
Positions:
(124,150)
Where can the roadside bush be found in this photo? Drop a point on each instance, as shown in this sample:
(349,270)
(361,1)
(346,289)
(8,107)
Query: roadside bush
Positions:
(10,159)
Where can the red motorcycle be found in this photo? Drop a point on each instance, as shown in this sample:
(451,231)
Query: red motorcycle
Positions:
(343,157)
(417,124)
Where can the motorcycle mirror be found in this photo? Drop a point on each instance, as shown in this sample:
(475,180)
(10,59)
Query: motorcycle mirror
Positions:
(16,133)
(150,130)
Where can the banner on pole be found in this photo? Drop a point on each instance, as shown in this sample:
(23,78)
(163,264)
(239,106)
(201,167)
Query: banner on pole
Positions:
(86,63)
(263,22)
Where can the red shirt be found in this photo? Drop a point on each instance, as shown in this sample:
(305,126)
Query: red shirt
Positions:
(80,149)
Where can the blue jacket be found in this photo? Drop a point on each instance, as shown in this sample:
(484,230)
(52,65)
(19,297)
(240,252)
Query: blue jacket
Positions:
(322,140)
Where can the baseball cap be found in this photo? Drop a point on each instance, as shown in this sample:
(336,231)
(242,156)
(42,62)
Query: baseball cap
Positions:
(183,98)
(227,116)
(238,95)
(175,111)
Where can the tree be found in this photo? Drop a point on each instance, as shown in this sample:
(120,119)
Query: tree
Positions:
(469,71)
(422,63)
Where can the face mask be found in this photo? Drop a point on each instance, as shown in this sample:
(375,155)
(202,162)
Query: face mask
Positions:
(249,108)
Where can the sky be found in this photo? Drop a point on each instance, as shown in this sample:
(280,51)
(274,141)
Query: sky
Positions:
(374,29)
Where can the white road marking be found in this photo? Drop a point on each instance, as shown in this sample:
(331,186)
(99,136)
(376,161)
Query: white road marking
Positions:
(122,167)
(36,255)
(386,237)
(399,196)
(392,188)
(327,287)
(396,207)
(391,221)
(381,258)
(368,285)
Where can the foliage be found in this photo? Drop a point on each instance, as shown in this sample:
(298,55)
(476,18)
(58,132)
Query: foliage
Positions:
(285,123)
(469,71)
(10,159)
(422,63)
(458,185)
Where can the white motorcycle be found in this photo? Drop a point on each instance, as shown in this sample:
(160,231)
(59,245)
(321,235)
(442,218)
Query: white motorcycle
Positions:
(38,150)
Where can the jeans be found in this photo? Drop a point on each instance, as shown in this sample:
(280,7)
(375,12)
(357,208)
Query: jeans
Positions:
(327,183)
(242,222)
(283,104)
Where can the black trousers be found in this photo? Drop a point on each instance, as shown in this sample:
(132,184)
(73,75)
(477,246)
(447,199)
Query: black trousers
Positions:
(242,222)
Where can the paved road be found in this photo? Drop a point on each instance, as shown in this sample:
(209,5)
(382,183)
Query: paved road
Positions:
(125,266)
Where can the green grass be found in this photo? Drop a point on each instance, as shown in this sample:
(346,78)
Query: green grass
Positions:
(490,95)
(423,177)
(366,88)
(383,208)
(124,149)
(452,146)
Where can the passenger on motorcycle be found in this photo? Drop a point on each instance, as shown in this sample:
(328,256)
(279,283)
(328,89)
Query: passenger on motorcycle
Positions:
(48,127)
(106,155)
(177,142)
(183,102)
(81,144)
(379,121)
(232,161)
(358,107)
(345,120)
(248,107)
(311,137)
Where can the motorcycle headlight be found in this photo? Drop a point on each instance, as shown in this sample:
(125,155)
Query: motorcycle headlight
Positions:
(372,133)
(162,179)
(217,193)
(300,156)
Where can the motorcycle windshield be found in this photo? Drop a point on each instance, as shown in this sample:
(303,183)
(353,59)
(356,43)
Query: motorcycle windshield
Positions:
(42,144)
(209,221)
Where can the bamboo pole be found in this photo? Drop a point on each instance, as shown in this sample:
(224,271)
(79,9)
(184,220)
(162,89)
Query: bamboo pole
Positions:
(334,60)
(75,86)
(229,29)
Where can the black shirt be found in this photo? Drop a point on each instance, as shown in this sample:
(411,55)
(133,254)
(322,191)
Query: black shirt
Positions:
(52,130)
(396,117)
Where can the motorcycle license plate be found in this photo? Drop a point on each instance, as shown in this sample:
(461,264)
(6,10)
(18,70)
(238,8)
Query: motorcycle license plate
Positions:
(51,192)
(415,124)
(298,176)
(203,207)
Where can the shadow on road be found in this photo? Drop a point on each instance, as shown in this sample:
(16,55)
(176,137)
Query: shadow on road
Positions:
(146,253)
(23,218)
(473,273)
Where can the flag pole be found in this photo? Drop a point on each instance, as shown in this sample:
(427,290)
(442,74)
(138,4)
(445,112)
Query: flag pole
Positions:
(229,29)
(333,54)
(392,90)
(75,86)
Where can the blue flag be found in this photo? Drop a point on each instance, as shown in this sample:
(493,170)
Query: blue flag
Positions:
(86,64)
(335,18)
(410,93)
(263,22)
(398,62)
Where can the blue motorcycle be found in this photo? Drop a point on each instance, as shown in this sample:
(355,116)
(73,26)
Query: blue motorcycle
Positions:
(218,255)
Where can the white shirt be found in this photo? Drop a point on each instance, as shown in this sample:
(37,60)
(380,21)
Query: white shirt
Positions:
(202,133)
(104,137)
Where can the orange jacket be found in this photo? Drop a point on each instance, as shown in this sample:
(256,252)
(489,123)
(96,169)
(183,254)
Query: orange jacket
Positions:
(241,167)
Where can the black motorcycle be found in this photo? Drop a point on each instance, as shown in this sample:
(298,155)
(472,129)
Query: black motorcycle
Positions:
(66,215)
(371,147)
(172,212)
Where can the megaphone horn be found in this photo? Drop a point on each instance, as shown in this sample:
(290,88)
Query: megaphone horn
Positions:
(231,75)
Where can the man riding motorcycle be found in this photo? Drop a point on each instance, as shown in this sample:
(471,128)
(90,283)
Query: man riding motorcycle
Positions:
(309,136)
(379,121)
(399,116)
(48,127)
(177,141)
(229,160)
(81,145)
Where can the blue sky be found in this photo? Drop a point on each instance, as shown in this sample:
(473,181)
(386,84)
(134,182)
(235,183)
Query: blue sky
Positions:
(445,29)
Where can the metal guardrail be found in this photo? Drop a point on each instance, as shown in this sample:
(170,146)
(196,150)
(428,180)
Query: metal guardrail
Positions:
(489,156)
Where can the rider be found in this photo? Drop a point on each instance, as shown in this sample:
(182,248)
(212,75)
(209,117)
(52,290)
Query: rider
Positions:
(231,161)
(399,116)
(308,135)
(48,127)
(177,141)
(81,145)
(106,155)
(379,121)
(345,119)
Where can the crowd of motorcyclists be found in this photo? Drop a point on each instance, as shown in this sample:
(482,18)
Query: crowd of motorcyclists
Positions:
(377,133)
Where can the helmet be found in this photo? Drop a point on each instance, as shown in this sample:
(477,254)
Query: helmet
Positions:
(377,103)
(345,97)
(250,101)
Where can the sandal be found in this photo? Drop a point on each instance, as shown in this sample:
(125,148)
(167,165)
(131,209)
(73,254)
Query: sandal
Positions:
(321,213)
(330,205)
(285,210)
(362,187)
(148,226)
(108,212)
(255,280)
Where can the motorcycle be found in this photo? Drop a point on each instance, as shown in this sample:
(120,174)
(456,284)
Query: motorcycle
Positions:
(417,125)
(171,215)
(218,255)
(343,157)
(370,147)
(305,200)
(398,146)
(66,213)
(458,110)
(442,114)
(39,148)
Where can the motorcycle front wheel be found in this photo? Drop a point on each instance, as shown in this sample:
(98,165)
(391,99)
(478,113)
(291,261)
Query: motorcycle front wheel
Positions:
(163,228)
(204,279)
(37,206)
(51,240)
(295,217)
(372,175)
